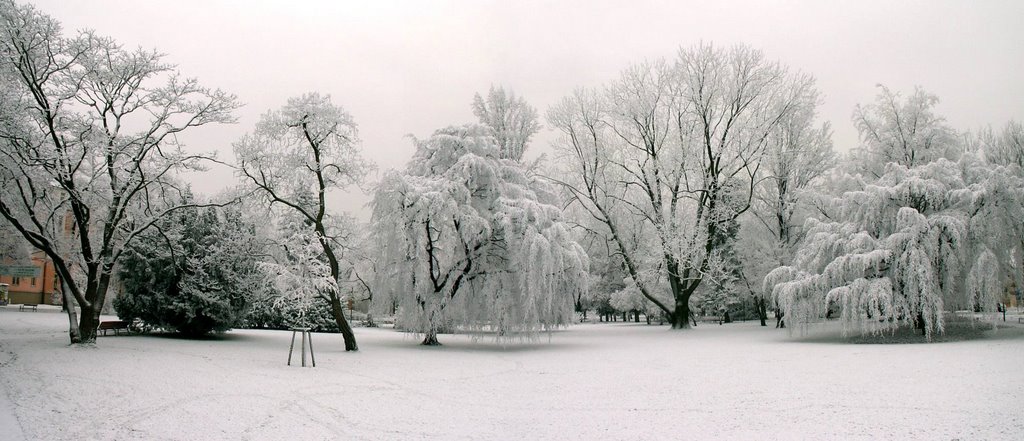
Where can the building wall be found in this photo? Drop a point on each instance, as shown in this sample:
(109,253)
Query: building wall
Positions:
(37,290)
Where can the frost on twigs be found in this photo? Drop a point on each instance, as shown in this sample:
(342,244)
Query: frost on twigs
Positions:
(899,252)
(466,243)
(301,275)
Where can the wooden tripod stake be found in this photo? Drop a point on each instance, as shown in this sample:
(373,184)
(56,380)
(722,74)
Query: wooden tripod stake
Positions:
(307,340)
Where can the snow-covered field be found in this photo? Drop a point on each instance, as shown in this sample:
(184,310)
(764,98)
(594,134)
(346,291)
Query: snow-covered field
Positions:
(592,381)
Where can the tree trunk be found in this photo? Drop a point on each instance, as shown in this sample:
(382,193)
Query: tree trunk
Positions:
(88,324)
(431,339)
(681,316)
(69,307)
(762,311)
(90,320)
(346,331)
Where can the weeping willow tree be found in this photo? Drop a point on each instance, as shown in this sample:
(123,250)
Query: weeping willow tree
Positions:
(468,241)
(918,242)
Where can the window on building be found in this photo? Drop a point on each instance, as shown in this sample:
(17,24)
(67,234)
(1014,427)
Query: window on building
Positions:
(32,282)
(16,281)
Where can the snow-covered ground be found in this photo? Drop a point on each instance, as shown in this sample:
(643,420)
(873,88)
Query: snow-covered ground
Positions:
(592,381)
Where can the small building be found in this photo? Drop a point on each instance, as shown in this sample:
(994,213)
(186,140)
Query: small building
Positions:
(42,290)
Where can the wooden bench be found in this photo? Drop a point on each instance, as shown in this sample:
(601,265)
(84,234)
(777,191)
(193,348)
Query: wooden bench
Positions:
(31,306)
(114,325)
(711,318)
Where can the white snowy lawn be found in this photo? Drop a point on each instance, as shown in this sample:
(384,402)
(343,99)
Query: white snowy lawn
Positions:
(592,381)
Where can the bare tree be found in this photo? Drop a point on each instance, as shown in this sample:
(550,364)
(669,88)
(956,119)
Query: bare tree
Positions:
(88,147)
(292,158)
(511,119)
(902,131)
(667,157)
(798,153)
(1006,147)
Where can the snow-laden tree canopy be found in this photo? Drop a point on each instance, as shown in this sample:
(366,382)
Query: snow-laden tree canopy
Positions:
(1005,147)
(299,271)
(511,118)
(917,242)
(467,239)
(667,157)
(89,147)
(906,131)
(294,156)
(798,156)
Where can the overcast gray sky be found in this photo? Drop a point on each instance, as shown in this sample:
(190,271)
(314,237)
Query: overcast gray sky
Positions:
(404,67)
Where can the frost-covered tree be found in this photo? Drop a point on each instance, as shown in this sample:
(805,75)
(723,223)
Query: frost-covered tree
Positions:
(89,146)
(724,283)
(902,131)
(361,269)
(301,275)
(293,158)
(799,153)
(668,154)
(12,245)
(907,247)
(511,119)
(606,269)
(895,241)
(465,240)
(629,299)
(1006,147)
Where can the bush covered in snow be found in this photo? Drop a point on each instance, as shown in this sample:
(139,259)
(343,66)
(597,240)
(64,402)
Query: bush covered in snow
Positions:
(271,314)
(191,273)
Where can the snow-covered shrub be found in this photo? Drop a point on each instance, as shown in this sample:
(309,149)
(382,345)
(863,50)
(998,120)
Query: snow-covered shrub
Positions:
(272,313)
(192,273)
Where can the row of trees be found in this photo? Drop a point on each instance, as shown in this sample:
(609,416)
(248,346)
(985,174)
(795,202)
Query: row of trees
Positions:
(699,182)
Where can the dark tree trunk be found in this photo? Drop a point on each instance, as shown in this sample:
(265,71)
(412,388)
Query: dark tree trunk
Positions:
(69,308)
(339,317)
(90,319)
(87,325)
(681,316)
(636,316)
(430,339)
(762,311)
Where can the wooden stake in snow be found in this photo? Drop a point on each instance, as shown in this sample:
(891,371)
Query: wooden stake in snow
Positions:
(307,340)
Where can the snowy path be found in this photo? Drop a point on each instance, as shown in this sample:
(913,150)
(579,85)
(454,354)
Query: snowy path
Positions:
(617,381)
(10,428)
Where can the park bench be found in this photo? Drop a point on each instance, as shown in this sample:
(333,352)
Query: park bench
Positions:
(711,318)
(114,325)
(31,306)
